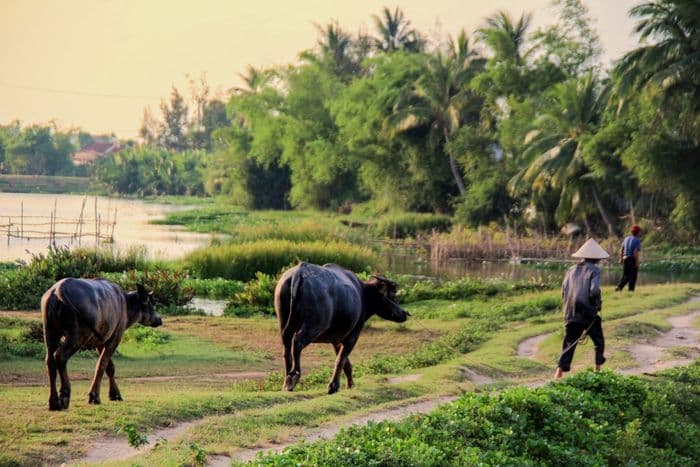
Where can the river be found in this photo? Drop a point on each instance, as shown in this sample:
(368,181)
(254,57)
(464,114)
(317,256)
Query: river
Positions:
(31,214)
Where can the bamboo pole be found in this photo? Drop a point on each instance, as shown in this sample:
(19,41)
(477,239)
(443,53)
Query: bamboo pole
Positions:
(96,227)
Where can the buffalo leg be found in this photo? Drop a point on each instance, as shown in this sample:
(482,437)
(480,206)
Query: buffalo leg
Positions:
(347,367)
(61,356)
(52,344)
(300,340)
(340,362)
(114,394)
(100,368)
(287,355)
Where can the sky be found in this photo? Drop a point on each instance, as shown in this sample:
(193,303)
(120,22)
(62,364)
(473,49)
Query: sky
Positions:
(96,64)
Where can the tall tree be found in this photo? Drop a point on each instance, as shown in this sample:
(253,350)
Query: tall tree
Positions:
(442,101)
(672,61)
(395,32)
(506,38)
(553,158)
(175,121)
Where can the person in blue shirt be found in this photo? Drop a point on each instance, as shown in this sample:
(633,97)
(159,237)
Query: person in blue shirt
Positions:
(630,258)
(580,292)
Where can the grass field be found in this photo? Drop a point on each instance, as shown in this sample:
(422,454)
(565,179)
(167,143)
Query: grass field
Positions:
(191,373)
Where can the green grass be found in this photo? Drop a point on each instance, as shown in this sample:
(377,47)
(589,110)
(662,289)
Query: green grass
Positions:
(243,261)
(239,415)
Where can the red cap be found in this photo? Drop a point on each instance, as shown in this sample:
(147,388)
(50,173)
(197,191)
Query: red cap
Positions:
(635,229)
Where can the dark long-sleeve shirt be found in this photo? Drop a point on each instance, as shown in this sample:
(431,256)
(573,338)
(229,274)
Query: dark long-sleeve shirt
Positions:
(580,292)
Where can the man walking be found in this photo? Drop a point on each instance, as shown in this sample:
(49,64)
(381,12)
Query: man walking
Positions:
(580,292)
(629,258)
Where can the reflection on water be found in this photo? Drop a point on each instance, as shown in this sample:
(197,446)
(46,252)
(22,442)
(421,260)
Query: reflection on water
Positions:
(131,228)
(455,269)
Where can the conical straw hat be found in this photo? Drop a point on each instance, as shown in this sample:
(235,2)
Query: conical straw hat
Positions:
(591,250)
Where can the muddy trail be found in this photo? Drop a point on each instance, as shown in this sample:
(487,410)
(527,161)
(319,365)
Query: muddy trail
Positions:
(683,341)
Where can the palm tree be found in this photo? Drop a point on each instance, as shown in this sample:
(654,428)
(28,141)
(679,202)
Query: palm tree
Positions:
(441,101)
(395,32)
(335,46)
(553,154)
(505,37)
(255,80)
(673,62)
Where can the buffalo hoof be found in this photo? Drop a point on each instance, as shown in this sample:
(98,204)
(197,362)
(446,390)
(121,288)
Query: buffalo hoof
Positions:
(333,387)
(94,398)
(55,404)
(64,400)
(291,380)
(115,396)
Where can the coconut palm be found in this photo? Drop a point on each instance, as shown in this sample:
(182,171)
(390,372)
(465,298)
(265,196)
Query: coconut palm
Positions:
(441,101)
(505,37)
(396,33)
(673,61)
(553,154)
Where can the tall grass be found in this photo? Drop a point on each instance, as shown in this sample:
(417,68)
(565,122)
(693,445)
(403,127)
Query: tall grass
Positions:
(307,230)
(486,243)
(243,261)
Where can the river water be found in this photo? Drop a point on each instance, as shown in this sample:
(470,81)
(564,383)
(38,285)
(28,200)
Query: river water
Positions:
(30,216)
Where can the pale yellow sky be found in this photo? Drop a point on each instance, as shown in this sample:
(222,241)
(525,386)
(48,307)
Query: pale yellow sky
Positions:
(96,64)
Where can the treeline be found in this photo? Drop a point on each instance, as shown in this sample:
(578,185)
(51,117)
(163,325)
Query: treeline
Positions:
(513,125)
(38,150)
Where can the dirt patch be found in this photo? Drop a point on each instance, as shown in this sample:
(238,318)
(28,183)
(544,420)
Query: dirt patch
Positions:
(528,348)
(652,356)
(403,379)
(118,449)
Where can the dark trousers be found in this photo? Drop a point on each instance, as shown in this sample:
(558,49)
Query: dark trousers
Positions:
(573,333)
(629,273)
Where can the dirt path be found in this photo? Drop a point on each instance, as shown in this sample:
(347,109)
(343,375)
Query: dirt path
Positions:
(648,356)
(528,347)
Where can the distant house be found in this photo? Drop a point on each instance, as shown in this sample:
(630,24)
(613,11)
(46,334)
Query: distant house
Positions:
(94,151)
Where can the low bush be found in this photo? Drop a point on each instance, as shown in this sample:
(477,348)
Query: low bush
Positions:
(257,297)
(464,288)
(243,261)
(21,338)
(169,287)
(588,419)
(217,288)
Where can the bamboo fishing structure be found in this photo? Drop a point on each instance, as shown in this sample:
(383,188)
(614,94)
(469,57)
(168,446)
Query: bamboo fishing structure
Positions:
(54,228)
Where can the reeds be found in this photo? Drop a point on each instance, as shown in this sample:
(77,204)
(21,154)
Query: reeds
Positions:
(491,244)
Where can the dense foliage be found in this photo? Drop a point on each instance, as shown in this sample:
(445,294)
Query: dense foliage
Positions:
(21,287)
(588,419)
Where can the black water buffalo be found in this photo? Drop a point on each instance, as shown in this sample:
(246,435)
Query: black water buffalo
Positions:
(93,314)
(328,304)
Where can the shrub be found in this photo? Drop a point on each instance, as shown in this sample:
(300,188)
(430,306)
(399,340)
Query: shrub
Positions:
(216,288)
(465,288)
(242,261)
(257,297)
(169,287)
(588,419)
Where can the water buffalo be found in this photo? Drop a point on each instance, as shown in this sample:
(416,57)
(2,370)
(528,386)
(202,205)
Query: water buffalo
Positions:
(93,314)
(328,304)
